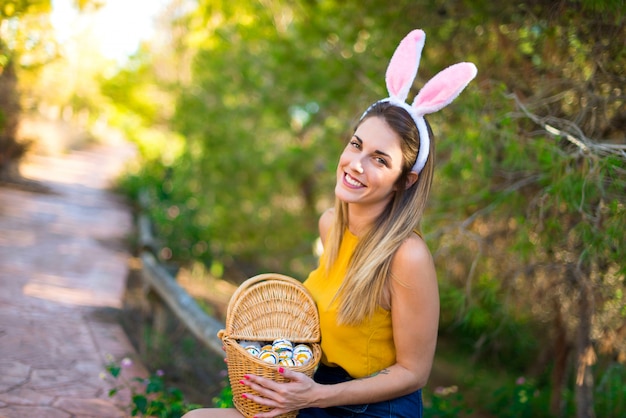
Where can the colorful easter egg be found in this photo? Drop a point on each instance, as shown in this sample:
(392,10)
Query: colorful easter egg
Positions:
(289,362)
(269,357)
(302,353)
(250,343)
(283,348)
(302,348)
(252,350)
(282,344)
(267,347)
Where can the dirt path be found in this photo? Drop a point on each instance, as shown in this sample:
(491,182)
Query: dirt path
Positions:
(63,268)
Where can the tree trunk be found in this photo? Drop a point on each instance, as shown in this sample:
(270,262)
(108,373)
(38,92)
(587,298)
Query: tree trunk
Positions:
(561,354)
(11,151)
(584,349)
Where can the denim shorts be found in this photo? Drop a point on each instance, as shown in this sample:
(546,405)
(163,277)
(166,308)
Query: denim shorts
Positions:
(408,406)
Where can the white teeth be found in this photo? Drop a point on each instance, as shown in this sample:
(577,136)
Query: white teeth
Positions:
(353,182)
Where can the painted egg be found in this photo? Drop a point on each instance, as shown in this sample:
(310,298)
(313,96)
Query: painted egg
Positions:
(269,357)
(283,348)
(289,362)
(252,350)
(267,347)
(302,348)
(250,343)
(302,353)
(282,344)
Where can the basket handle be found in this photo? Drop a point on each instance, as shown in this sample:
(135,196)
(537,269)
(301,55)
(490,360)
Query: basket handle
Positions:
(257,279)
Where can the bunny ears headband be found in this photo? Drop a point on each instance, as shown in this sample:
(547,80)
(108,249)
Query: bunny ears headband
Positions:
(436,94)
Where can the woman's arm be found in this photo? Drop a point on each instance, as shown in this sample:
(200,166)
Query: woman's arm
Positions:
(415,318)
(415,309)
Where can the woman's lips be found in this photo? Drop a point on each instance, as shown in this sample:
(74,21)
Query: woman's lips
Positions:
(351,181)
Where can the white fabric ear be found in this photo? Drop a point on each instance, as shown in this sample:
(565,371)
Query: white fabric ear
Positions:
(403,65)
(443,88)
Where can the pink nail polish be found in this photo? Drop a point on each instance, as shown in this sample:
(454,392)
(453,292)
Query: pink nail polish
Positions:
(247,377)
(281,370)
(241,381)
(243,395)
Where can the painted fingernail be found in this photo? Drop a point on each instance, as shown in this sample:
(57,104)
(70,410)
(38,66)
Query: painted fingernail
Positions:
(281,370)
(247,377)
(243,395)
(241,381)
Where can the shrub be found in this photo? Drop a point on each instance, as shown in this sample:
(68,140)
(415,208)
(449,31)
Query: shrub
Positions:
(150,397)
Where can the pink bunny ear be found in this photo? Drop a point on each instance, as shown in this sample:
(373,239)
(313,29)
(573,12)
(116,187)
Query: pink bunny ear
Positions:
(439,92)
(403,65)
(443,88)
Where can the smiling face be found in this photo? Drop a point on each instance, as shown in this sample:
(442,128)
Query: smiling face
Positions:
(370,166)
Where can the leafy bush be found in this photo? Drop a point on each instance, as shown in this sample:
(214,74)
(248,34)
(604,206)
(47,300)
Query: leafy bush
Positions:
(521,399)
(149,397)
(446,402)
(488,324)
(225,398)
(610,396)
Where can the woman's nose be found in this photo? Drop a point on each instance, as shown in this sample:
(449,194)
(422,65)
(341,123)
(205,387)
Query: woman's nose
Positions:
(356,166)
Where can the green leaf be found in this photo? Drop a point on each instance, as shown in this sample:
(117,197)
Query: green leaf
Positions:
(115,371)
(140,402)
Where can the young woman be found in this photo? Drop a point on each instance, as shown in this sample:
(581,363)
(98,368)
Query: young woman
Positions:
(376,286)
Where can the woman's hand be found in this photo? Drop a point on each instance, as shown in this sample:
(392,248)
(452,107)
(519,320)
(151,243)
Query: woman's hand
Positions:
(296,394)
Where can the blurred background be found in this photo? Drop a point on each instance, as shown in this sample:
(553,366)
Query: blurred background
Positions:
(239,109)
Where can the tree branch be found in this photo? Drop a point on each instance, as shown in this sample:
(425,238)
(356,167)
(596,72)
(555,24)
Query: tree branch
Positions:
(572,133)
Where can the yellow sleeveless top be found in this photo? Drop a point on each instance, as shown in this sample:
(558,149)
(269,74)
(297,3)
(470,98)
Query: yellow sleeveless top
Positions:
(361,350)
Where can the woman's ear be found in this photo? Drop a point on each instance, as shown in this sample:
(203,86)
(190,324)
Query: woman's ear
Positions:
(411,178)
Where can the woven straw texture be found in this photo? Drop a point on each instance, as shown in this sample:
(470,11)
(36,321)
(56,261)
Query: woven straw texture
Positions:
(264,308)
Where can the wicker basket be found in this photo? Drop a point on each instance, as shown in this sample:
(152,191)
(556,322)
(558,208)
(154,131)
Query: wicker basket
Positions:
(264,308)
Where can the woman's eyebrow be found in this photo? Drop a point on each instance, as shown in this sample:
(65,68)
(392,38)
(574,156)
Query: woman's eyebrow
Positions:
(379,152)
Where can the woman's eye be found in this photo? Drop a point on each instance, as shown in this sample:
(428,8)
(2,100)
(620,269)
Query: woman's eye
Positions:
(381,161)
(355,144)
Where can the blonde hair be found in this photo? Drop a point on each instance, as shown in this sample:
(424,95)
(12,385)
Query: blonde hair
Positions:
(369,270)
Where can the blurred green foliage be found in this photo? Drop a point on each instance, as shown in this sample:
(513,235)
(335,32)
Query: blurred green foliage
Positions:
(240,109)
(241,119)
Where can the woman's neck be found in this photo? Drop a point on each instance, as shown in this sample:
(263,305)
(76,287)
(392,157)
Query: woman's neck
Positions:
(360,219)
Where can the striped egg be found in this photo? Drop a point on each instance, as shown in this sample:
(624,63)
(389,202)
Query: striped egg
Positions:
(269,357)
(283,348)
(267,347)
(289,362)
(282,344)
(250,343)
(302,353)
(252,349)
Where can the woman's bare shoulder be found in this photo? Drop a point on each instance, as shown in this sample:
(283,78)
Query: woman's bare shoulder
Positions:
(413,255)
